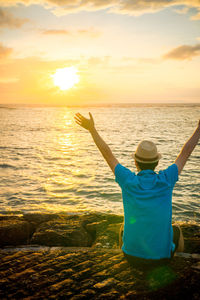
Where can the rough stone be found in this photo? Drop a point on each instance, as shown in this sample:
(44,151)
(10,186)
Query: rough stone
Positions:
(88,273)
(60,232)
(14,232)
(196,266)
(108,235)
(39,218)
(106,283)
(64,274)
(96,230)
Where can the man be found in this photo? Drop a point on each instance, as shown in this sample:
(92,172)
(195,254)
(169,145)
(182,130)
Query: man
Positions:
(148,234)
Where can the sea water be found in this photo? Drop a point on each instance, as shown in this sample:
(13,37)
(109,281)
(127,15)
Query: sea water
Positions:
(50,164)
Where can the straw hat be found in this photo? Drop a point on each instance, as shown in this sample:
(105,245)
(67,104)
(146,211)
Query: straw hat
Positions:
(147,152)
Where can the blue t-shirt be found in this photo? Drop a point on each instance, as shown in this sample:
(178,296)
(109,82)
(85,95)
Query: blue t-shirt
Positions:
(147,200)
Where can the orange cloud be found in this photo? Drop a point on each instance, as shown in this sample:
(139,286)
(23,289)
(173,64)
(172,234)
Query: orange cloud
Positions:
(5,51)
(8,20)
(183,52)
(196,17)
(131,7)
(182,11)
(55,31)
(88,31)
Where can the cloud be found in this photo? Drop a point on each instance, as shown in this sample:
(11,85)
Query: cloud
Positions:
(131,7)
(182,11)
(91,32)
(8,20)
(183,52)
(196,17)
(9,80)
(55,32)
(4,51)
(99,61)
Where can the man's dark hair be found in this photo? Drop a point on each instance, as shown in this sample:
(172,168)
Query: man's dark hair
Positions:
(147,166)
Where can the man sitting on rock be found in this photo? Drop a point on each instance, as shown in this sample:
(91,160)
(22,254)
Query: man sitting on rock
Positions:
(148,234)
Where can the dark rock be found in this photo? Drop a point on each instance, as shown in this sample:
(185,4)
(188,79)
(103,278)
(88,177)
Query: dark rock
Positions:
(107,235)
(65,274)
(104,229)
(191,233)
(40,218)
(10,217)
(96,230)
(106,283)
(14,232)
(67,232)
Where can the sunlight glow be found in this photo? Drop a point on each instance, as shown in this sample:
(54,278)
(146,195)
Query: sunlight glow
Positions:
(66,78)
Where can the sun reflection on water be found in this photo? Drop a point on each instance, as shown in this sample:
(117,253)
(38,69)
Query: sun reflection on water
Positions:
(52,164)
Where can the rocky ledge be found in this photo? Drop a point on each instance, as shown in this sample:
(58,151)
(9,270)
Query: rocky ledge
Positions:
(80,259)
(84,230)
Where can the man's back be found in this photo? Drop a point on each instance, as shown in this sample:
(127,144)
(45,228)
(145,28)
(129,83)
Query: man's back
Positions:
(147,200)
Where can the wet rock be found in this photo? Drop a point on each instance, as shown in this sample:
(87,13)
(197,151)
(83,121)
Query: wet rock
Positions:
(196,256)
(191,233)
(104,229)
(196,266)
(14,232)
(96,230)
(94,274)
(66,232)
(107,235)
(106,283)
(9,217)
(39,218)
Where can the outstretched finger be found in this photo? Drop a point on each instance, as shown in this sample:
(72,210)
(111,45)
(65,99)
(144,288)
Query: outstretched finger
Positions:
(79,115)
(78,122)
(91,117)
(77,119)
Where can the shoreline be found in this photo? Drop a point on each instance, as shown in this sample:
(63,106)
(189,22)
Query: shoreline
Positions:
(10,214)
(60,229)
(72,229)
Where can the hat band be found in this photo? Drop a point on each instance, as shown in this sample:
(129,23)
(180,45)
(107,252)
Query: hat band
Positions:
(146,159)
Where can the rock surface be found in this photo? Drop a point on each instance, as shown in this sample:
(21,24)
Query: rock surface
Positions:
(67,232)
(15,232)
(96,230)
(65,273)
(87,273)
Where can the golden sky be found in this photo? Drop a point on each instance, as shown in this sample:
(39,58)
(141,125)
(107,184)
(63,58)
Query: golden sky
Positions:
(124,51)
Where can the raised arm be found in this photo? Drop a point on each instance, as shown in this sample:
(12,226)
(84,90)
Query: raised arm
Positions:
(187,149)
(102,146)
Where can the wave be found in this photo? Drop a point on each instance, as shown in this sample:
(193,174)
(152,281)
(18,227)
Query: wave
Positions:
(7,107)
(5,166)
(16,148)
(49,158)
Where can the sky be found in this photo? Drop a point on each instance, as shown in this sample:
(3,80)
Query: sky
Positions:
(124,51)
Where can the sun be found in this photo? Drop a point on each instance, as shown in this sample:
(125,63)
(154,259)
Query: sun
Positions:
(66,78)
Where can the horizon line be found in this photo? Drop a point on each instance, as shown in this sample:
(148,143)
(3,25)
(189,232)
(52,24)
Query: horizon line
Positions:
(8,105)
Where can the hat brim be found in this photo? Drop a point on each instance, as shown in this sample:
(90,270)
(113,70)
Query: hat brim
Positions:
(146,161)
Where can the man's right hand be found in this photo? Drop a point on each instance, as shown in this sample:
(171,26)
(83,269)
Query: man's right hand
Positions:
(84,122)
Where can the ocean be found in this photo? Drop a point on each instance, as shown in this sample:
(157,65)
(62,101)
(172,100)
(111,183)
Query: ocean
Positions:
(50,164)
